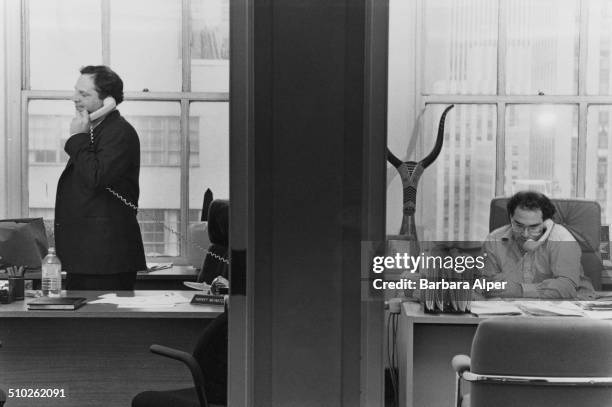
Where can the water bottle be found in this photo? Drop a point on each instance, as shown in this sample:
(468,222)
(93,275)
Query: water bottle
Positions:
(51,283)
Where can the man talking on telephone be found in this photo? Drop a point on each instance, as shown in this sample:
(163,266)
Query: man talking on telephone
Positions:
(536,257)
(97,235)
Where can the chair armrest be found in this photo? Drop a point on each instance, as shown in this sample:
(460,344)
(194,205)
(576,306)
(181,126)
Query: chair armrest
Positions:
(461,363)
(192,364)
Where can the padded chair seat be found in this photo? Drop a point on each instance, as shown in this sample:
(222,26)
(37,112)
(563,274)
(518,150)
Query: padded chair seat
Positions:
(180,397)
(540,346)
(183,397)
(555,347)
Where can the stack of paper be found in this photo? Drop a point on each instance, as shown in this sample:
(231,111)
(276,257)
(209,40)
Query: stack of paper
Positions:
(158,266)
(163,300)
(551,308)
(490,308)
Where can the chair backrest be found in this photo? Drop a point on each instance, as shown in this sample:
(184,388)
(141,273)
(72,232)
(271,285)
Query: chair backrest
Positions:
(541,347)
(218,234)
(211,354)
(581,217)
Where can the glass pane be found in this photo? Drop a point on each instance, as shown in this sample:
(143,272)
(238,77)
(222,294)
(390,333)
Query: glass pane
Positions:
(598,160)
(48,130)
(209,152)
(542,48)
(146,44)
(210,45)
(157,124)
(456,190)
(541,149)
(599,43)
(64,36)
(461,47)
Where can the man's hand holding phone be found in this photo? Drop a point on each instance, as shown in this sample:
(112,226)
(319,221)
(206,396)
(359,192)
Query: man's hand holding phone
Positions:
(80,122)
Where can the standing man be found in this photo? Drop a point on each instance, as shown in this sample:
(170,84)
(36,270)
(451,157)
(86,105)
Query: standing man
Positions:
(97,235)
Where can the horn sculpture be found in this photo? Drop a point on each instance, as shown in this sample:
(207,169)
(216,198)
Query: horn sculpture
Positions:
(410,172)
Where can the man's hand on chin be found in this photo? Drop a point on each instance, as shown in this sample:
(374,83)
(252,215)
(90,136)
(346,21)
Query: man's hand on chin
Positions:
(512,290)
(80,122)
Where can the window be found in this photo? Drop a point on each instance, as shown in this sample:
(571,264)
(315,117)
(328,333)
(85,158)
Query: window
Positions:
(176,97)
(529,113)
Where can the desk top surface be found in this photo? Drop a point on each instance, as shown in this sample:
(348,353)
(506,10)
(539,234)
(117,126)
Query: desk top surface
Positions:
(121,304)
(187,273)
(414,312)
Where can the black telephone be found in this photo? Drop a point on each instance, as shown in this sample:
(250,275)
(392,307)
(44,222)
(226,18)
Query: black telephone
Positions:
(531,245)
(108,104)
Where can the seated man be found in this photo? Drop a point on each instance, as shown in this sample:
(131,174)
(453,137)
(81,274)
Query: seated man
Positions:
(536,257)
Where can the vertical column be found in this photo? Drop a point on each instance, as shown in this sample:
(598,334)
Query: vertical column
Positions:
(313,129)
(16,183)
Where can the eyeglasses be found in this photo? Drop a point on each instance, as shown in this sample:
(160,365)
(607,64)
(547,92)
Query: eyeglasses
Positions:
(531,229)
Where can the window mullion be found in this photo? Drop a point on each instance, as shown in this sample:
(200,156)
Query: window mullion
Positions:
(186,45)
(25,39)
(583,106)
(184,201)
(105,31)
(501,48)
(500,140)
(582,48)
(500,162)
(582,153)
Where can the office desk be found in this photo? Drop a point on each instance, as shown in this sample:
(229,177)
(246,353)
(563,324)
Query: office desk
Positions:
(167,279)
(99,354)
(426,345)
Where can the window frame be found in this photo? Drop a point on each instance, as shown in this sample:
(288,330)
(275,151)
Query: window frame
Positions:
(18,147)
(582,100)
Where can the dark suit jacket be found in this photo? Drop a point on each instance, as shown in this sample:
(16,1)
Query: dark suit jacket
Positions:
(95,232)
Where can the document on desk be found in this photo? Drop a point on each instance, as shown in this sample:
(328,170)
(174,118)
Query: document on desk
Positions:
(597,309)
(551,308)
(162,300)
(158,266)
(494,307)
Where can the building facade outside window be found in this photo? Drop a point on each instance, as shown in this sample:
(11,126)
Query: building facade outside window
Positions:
(531,84)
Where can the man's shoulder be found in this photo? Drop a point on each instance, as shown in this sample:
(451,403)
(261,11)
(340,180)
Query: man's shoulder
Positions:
(500,234)
(118,124)
(559,233)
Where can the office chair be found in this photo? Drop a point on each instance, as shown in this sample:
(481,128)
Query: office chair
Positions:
(198,234)
(216,262)
(2,393)
(581,217)
(208,367)
(544,362)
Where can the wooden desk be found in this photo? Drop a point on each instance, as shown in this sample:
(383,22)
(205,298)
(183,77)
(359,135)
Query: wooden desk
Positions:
(167,279)
(426,345)
(99,354)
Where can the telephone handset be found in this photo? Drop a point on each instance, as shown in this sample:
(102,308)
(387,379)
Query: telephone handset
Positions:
(108,105)
(531,245)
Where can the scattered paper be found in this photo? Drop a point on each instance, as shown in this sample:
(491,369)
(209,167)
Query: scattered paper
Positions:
(164,300)
(551,308)
(484,308)
(158,266)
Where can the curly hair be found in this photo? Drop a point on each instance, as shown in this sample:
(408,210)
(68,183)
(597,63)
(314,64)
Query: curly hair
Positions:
(107,82)
(531,200)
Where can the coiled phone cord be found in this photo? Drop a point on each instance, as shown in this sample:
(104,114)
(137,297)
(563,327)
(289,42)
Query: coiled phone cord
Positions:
(168,228)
